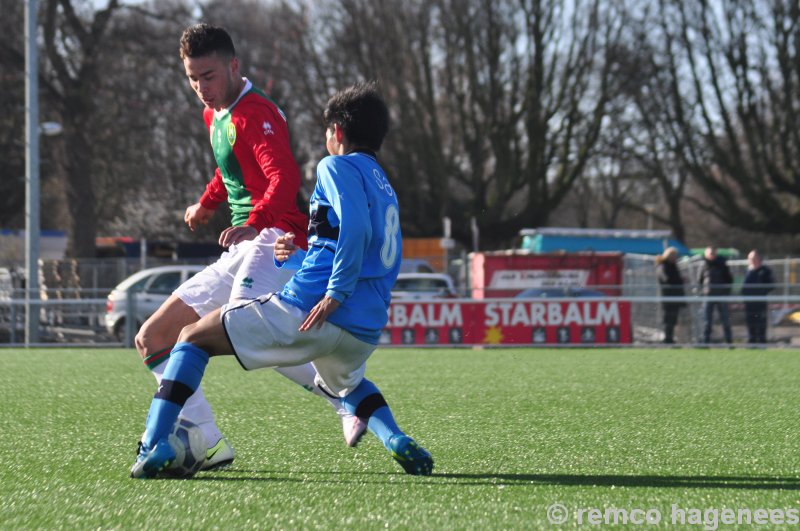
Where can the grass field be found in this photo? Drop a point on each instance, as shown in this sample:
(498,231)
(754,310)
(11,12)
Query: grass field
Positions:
(511,431)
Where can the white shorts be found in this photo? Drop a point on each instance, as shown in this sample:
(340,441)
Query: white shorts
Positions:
(243,272)
(264,333)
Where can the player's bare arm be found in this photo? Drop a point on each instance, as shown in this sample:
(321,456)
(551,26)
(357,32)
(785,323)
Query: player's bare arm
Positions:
(234,235)
(197,215)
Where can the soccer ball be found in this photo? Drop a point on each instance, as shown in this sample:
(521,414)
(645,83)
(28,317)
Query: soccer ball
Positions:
(190,449)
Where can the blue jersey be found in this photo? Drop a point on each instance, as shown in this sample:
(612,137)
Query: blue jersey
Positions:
(354,245)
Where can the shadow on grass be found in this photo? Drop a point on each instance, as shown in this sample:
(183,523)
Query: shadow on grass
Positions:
(589,480)
(611,480)
(291,476)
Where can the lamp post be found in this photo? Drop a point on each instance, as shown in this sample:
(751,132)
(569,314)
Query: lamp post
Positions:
(31,174)
(650,208)
(33,129)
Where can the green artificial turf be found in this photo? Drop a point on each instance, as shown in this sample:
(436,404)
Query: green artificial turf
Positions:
(511,431)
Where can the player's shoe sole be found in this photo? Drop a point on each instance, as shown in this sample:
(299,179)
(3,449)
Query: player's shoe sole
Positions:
(218,456)
(414,459)
(354,429)
(148,465)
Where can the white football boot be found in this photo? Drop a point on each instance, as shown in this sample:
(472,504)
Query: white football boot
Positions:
(218,456)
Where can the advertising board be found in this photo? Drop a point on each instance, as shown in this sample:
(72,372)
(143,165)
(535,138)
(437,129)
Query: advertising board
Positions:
(508,322)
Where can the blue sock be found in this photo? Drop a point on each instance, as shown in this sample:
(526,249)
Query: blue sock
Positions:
(367,402)
(182,376)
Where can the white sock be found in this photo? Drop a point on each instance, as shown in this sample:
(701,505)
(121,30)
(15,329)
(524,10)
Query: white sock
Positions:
(303,375)
(196,409)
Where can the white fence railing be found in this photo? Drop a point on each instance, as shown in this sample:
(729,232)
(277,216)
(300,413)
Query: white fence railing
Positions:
(81,322)
(75,322)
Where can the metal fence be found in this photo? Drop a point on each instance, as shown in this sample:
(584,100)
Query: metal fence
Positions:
(640,282)
(72,302)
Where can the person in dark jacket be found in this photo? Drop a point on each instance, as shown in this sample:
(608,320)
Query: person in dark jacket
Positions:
(671,282)
(758,282)
(715,281)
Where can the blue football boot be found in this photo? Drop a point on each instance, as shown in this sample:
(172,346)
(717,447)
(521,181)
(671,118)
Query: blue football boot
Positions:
(414,459)
(149,464)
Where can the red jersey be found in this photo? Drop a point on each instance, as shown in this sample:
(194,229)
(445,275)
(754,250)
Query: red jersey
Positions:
(256,171)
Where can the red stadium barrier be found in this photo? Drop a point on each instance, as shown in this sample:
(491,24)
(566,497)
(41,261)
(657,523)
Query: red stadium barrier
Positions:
(508,322)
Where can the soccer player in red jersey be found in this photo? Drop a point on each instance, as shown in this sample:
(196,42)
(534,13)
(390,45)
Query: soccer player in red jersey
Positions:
(258,176)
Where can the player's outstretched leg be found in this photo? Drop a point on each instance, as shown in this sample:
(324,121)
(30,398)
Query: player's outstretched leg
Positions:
(258,275)
(181,378)
(367,403)
(304,376)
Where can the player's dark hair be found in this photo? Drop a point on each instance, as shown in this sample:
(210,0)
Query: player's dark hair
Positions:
(204,39)
(361,113)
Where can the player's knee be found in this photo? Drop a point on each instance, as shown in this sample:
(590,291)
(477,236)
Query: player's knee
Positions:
(188,334)
(148,340)
(139,343)
(143,343)
(204,334)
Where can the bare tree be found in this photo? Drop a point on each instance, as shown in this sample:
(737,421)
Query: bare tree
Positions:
(134,151)
(497,105)
(649,178)
(500,108)
(73,43)
(157,145)
(635,174)
(12,115)
(102,78)
(12,143)
(734,106)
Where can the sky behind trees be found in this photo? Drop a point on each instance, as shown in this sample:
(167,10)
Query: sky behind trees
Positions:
(516,114)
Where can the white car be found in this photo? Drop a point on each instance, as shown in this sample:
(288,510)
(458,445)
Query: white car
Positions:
(415,265)
(423,286)
(151,287)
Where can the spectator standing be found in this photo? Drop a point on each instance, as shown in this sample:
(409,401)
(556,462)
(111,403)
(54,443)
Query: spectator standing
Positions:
(715,281)
(758,282)
(671,282)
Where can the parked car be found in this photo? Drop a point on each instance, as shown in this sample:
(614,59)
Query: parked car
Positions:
(152,287)
(423,286)
(538,293)
(415,265)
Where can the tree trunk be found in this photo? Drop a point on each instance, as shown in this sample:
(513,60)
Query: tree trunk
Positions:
(81,198)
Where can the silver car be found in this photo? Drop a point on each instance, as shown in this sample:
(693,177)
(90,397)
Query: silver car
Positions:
(151,287)
(423,286)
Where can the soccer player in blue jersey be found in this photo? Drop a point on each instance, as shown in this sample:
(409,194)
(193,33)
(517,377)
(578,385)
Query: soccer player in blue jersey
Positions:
(332,310)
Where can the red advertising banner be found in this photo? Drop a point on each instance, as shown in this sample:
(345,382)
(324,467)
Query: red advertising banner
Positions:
(508,322)
(505,274)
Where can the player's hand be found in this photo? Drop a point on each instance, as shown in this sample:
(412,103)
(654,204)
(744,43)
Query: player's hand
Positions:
(284,247)
(197,215)
(234,235)
(319,313)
